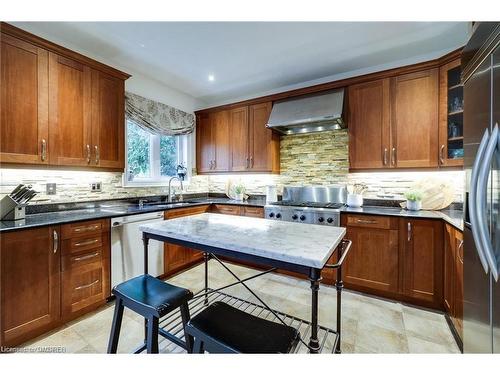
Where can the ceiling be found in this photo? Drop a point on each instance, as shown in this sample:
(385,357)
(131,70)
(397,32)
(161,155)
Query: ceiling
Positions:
(251,58)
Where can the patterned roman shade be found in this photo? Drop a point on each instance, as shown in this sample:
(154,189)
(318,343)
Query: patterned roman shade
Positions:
(156,117)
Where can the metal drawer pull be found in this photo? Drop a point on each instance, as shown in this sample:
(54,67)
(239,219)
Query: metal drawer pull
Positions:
(87,286)
(44,149)
(90,242)
(409,231)
(361,221)
(84,229)
(55,238)
(77,259)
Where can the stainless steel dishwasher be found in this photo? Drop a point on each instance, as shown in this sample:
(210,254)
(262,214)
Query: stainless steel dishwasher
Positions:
(127,254)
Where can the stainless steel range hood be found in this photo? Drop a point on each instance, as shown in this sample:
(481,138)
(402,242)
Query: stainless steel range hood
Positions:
(308,114)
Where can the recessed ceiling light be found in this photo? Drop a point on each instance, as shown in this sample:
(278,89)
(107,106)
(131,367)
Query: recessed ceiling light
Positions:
(142,45)
(211,77)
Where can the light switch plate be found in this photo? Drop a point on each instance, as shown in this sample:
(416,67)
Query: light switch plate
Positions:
(96,186)
(51,188)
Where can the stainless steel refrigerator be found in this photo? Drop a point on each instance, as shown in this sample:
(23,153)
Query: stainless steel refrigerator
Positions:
(481,78)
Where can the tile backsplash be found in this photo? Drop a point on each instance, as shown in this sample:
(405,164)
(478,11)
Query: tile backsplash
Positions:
(319,159)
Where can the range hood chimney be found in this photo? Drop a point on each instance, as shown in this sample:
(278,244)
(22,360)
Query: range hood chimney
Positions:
(308,113)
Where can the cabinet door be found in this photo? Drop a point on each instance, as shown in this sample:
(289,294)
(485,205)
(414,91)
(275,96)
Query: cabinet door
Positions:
(69,112)
(373,260)
(369,125)
(414,119)
(239,139)
(30,283)
(264,143)
(108,121)
(176,257)
(221,141)
(204,145)
(449,268)
(422,247)
(23,103)
(458,316)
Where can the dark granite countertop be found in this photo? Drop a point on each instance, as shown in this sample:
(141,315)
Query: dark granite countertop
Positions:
(60,214)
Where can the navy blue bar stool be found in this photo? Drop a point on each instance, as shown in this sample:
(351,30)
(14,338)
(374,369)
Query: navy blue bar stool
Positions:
(152,299)
(221,328)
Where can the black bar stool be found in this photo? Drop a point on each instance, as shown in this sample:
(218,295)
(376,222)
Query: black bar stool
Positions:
(153,299)
(221,328)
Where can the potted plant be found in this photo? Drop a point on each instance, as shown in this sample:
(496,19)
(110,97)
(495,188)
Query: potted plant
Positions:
(239,192)
(413,200)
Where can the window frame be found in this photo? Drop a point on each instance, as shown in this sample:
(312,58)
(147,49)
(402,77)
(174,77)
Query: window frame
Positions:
(183,157)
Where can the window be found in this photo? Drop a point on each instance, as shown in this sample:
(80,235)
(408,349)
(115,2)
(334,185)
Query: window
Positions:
(151,158)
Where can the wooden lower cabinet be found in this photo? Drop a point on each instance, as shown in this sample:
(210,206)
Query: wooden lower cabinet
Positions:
(30,283)
(453,277)
(176,257)
(231,209)
(373,261)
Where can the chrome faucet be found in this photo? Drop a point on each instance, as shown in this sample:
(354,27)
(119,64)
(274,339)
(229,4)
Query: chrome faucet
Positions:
(170,187)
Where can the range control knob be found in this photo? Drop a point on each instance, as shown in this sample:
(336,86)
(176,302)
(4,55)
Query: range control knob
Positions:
(302,217)
(329,220)
(295,216)
(278,216)
(321,219)
(271,214)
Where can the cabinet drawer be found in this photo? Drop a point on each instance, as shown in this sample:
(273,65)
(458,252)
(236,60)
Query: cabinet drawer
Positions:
(82,287)
(80,244)
(253,211)
(369,221)
(77,260)
(84,228)
(226,209)
(179,212)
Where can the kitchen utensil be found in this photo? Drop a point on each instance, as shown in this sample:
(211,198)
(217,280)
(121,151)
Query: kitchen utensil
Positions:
(18,187)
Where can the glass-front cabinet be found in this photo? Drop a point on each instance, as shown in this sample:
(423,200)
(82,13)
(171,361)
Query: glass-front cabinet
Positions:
(451,118)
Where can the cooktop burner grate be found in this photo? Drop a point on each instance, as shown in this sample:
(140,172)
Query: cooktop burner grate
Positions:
(308,204)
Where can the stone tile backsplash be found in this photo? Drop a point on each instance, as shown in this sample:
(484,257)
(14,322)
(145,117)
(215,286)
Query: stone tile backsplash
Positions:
(319,159)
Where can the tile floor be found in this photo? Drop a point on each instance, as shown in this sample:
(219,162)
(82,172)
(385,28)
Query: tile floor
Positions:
(370,325)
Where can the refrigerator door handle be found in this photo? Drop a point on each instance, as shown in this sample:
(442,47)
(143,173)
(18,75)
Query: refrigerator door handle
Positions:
(473,210)
(482,184)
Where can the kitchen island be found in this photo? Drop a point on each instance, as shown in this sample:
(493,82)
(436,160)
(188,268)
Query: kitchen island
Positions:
(291,246)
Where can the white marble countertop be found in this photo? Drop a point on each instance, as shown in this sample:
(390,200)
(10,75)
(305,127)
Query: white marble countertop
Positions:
(296,243)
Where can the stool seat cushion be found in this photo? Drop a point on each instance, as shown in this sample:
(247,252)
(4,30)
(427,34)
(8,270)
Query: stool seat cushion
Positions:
(151,294)
(243,332)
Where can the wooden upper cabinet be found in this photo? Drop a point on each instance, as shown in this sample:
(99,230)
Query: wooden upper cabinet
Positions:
(221,141)
(421,243)
(70,105)
(369,125)
(238,120)
(263,142)
(414,119)
(204,144)
(24,132)
(30,283)
(108,121)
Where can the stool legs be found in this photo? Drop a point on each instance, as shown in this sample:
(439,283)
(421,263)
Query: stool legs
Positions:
(116,326)
(185,319)
(152,336)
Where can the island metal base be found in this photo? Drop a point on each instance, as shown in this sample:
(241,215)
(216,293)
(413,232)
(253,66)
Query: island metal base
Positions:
(327,338)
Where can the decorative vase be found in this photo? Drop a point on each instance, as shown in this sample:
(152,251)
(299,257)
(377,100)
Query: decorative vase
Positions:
(354,200)
(413,205)
(238,196)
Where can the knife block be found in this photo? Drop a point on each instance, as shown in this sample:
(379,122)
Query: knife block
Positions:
(10,210)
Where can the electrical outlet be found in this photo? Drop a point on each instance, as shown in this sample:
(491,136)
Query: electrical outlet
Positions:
(96,187)
(51,188)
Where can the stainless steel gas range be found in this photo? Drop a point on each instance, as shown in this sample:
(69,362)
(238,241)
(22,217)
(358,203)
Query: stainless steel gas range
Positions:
(309,205)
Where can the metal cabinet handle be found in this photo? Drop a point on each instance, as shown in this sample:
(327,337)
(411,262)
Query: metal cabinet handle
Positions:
(409,231)
(44,150)
(90,242)
(87,286)
(88,154)
(86,257)
(251,161)
(84,229)
(441,155)
(96,154)
(55,241)
(393,157)
(385,156)
(214,163)
(248,162)
(361,221)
